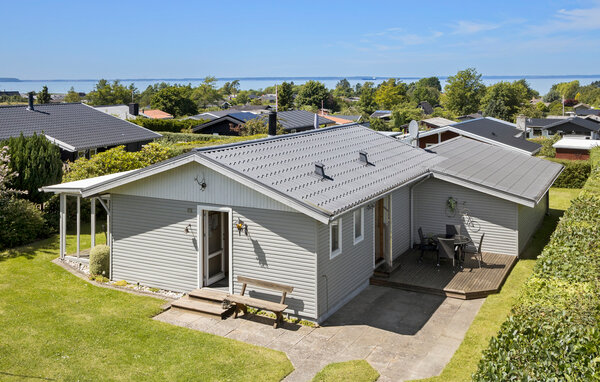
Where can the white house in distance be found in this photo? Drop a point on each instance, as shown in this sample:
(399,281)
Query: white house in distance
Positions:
(318,210)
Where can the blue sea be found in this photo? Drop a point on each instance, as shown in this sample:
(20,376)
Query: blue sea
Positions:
(540,83)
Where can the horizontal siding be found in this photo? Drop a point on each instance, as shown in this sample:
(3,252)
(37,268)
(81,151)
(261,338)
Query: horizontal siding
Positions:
(400,221)
(150,245)
(180,184)
(530,220)
(280,247)
(338,277)
(497,217)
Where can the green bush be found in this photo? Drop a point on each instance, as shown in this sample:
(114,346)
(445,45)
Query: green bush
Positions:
(21,222)
(552,333)
(100,260)
(575,173)
(547,150)
(170,125)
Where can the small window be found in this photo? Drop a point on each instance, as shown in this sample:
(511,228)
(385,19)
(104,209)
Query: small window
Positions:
(93,152)
(335,238)
(359,226)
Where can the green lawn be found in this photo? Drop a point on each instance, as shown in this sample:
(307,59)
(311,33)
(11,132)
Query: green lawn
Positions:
(496,307)
(355,371)
(57,326)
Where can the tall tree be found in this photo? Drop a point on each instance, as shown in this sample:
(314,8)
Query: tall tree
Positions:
(175,100)
(430,82)
(206,93)
(44,96)
(105,93)
(37,162)
(390,94)
(464,92)
(72,96)
(343,88)
(313,93)
(285,95)
(367,98)
(504,99)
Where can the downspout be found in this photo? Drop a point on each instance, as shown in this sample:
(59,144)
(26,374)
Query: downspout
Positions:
(412,218)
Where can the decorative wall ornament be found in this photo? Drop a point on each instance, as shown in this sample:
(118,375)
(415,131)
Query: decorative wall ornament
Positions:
(201,183)
(241,227)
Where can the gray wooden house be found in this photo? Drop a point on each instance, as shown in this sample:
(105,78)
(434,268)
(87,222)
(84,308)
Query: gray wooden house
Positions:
(318,210)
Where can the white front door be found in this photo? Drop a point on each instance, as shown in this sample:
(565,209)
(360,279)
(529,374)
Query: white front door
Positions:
(214,246)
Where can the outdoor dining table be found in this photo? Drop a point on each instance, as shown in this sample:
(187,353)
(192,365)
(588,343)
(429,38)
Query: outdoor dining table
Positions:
(460,241)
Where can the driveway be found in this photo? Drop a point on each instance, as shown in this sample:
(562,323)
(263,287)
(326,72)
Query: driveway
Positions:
(404,335)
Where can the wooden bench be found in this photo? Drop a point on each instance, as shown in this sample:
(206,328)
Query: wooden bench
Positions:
(243,302)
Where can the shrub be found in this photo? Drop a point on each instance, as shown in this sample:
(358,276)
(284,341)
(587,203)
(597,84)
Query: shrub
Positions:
(575,173)
(21,222)
(547,150)
(552,333)
(100,260)
(170,125)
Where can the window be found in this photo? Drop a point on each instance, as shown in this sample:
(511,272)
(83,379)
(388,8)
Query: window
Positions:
(93,152)
(335,238)
(81,154)
(359,227)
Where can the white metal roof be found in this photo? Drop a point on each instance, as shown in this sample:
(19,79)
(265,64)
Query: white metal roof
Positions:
(77,186)
(576,143)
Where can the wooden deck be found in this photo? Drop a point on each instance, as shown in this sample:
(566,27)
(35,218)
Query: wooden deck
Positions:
(468,283)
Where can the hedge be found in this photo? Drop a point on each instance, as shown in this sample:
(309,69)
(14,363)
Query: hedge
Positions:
(21,222)
(170,125)
(553,330)
(575,173)
(547,150)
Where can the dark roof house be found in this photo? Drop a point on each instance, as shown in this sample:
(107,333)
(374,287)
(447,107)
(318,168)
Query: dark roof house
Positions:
(574,126)
(426,107)
(75,127)
(489,130)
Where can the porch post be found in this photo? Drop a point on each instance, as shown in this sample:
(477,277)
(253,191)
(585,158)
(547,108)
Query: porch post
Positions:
(78,225)
(93,221)
(109,238)
(62,233)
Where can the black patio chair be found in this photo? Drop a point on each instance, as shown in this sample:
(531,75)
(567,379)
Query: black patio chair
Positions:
(446,250)
(425,244)
(452,230)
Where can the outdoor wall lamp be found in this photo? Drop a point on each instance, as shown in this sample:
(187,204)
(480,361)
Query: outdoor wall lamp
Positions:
(241,226)
(201,183)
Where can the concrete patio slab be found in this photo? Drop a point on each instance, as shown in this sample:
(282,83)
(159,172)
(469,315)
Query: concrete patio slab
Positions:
(402,334)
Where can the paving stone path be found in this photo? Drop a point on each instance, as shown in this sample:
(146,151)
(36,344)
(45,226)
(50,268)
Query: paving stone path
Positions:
(403,335)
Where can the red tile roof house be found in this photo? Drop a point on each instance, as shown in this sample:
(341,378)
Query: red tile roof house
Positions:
(318,210)
(156,114)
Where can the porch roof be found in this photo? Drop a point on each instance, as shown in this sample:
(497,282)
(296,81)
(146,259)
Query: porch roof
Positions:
(79,186)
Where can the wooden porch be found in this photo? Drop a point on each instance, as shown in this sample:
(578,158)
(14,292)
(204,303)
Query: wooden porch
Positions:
(468,283)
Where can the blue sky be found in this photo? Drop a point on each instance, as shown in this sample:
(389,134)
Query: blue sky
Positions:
(175,39)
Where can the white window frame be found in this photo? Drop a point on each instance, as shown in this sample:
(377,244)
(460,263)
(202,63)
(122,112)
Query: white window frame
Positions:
(81,154)
(358,239)
(338,251)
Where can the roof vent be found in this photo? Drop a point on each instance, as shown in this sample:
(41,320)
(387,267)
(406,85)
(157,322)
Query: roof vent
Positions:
(30,101)
(364,158)
(320,171)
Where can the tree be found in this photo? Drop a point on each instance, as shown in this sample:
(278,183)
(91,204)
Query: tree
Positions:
(378,124)
(145,98)
(105,93)
(403,115)
(430,82)
(343,89)
(230,88)
(425,93)
(531,93)
(464,92)
(44,96)
(552,95)
(567,90)
(206,93)
(504,99)
(367,98)
(175,100)
(285,95)
(72,96)
(7,174)
(391,93)
(313,93)
(37,162)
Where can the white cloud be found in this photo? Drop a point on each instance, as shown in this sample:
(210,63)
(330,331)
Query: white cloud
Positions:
(571,20)
(470,27)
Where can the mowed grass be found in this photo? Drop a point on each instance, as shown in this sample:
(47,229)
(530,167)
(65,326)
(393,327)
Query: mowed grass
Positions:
(497,307)
(57,326)
(355,371)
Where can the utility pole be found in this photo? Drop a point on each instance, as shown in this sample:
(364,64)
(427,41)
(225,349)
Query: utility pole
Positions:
(563,104)
(276,99)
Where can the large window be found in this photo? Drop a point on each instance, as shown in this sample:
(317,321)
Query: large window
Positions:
(359,225)
(335,238)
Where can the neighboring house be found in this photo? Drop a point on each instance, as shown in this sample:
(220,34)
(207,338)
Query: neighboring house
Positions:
(124,112)
(156,114)
(584,112)
(78,129)
(10,93)
(270,98)
(291,121)
(470,116)
(574,127)
(489,130)
(257,109)
(435,122)
(337,119)
(386,115)
(581,106)
(349,118)
(536,126)
(575,148)
(426,107)
(317,210)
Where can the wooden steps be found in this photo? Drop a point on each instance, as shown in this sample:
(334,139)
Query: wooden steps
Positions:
(205,301)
